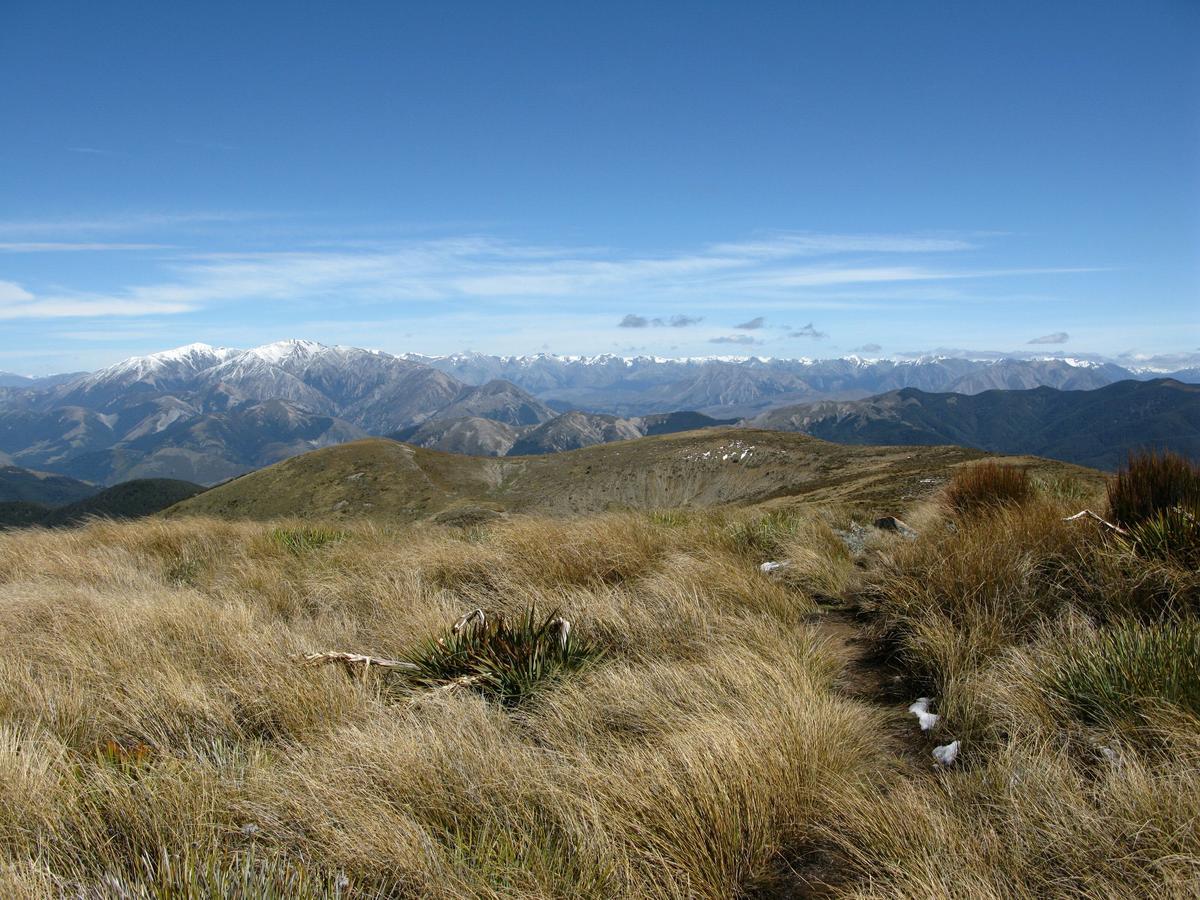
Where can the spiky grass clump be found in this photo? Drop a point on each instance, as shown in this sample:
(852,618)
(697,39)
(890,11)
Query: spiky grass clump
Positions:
(988,486)
(1124,674)
(211,873)
(766,535)
(305,540)
(1172,535)
(504,659)
(1151,483)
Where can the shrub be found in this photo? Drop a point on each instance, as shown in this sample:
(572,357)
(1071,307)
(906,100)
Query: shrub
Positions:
(505,660)
(1109,678)
(988,485)
(1151,483)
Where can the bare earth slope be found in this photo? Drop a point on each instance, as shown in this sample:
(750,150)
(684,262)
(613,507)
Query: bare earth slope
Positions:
(387,480)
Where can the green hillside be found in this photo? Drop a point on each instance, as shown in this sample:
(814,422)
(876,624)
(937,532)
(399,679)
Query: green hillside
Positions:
(42,488)
(128,500)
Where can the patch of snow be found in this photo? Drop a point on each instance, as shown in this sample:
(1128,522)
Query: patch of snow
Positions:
(946,754)
(920,709)
(281,351)
(769,567)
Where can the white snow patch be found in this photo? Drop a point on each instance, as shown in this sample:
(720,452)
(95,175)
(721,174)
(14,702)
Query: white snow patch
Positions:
(946,754)
(283,350)
(920,709)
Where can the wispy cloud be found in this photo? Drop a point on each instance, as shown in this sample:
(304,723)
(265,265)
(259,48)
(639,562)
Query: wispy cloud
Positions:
(78,228)
(91,151)
(777,272)
(808,331)
(1058,337)
(733,339)
(18,303)
(785,244)
(867,348)
(73,247)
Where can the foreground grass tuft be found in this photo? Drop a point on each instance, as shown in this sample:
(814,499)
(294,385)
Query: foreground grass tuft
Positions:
(504,659)
(304,540)
(1123,674)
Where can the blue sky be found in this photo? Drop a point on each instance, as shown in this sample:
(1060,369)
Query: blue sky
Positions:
(785,179)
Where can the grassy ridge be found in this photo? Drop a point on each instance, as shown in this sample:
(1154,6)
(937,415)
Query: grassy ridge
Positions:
(389,481)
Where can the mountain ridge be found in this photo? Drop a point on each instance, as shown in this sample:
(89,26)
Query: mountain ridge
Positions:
(1096,428)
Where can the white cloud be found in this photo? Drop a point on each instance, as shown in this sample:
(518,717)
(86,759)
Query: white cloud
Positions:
(787,244)
(18,303)
(11,292)
(76,227)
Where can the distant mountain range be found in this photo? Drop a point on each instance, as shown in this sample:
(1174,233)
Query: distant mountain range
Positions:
(1094,428)
(724,387)
(205,414)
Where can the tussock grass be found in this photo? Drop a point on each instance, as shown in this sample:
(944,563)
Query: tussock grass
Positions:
(504,659)
(1065,663)
(302,540)
(987,486)
(1171,534)
(156,738)
(1151,483)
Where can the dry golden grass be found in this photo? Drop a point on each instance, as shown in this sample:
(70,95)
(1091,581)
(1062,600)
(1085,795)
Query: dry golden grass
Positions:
(1046,801)
(154,731)
(156,738)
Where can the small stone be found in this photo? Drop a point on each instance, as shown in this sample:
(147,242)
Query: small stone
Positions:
(891,523)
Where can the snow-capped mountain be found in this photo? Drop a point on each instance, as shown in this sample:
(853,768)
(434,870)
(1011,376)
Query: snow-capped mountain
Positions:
(724,386)
(206,413)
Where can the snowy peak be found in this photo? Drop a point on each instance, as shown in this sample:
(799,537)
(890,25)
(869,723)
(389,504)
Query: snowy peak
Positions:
(285,351)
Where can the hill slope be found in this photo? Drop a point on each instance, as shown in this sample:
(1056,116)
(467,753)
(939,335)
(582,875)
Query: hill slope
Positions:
(128,500)
(42,488)
(1093,428)
(387,480)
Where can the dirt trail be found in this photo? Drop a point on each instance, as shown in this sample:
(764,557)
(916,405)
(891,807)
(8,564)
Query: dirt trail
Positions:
(816,872)
(872,678)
